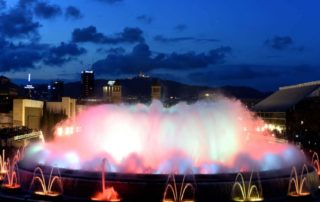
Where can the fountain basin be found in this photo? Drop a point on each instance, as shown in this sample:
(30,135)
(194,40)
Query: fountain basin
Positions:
(85,184)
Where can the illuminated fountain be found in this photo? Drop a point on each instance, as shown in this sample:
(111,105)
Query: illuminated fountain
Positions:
(173,194)
(106,194)
(154,139)
(46,188)
(297,185)
(144,144)
(315,162)
(11,179)
(3,165)
(242,191)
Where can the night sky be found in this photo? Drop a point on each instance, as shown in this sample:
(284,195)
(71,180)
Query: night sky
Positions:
(262,44)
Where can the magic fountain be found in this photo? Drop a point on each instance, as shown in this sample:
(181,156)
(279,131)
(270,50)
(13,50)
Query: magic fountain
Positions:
(140,146)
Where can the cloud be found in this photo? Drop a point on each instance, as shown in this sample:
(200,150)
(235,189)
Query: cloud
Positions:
(18,22)
(73,13)
(26,3)
(145,19)
(234,72)
(3,4)
(141,59)
(46,11)
(118,50)
(303,68)
(110,1)
(63,53)
(180,27)
(163,39)
(279,43)
(21,56)
(90,34)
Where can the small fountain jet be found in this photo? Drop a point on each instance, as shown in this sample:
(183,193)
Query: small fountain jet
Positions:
(315,162)
(11,179)
(107,193)
(177,195)
(298,189)
(250,192)
(3,165)
(47,190)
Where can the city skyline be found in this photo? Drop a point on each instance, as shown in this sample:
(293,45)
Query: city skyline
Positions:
(213,43)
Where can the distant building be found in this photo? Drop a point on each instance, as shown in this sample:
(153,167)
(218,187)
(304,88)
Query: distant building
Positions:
(27,112)
(155,90)
(87,84)
(293,111)
(56,90)
(8,91)
(112,93)
(29,88)
(66,106)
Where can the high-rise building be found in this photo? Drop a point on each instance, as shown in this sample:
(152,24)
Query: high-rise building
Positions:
(87,84)
(56,90)
(29,88)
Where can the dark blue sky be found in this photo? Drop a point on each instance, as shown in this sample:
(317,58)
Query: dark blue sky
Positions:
(262,44)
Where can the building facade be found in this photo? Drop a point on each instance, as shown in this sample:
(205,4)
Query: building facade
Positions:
(87,84)
(67,106)
(293,111)
(112,93)
(27,113)
(155,90)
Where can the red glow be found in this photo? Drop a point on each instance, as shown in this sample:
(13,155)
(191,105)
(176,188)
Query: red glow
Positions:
(49,194)
(14,186)
(109,194)
(294,194)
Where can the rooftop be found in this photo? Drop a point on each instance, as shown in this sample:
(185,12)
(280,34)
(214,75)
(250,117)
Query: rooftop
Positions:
(287,97)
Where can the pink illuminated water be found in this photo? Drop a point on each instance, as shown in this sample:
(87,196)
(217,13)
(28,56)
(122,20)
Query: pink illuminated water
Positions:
(206,137)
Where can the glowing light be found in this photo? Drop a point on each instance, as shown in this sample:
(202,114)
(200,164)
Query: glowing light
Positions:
(60,131)
(66,130)
(111,83)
